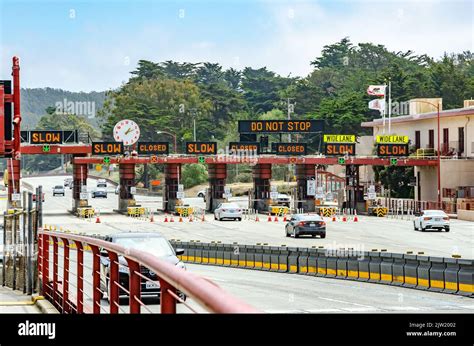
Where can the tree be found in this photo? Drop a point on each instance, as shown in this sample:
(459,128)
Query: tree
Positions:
(395,179)
(193,174)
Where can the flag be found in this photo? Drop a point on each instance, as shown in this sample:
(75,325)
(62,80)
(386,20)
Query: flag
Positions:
(376,90)
(377,104)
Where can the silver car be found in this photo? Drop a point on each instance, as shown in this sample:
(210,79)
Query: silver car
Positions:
(431,219)
(228,211)
(59,190)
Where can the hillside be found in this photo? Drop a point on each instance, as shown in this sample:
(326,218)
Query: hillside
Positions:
(35,101)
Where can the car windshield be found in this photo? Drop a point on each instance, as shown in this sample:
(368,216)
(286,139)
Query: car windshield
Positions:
(155,245)
(58,187)
(229,205)
(101,185)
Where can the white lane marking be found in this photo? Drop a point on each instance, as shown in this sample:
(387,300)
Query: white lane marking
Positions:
(467,306)
(402,308)
(346,302)
(321,310)
(370,309)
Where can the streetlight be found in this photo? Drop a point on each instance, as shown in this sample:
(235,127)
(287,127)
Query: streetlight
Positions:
(439,154)
(174,137)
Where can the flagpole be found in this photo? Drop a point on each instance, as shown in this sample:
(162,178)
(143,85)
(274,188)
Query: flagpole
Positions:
(384,110)
(389,105)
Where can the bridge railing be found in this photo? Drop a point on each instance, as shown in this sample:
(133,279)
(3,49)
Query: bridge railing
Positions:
(64,285)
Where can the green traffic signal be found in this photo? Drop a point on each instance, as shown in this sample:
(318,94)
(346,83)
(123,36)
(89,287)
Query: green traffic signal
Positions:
(46,148)
(393,162)
(106,159)
(341,160)
(202,159)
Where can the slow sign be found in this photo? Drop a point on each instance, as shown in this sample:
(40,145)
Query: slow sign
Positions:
(339,149)
(279,126)
(245,146)
(290,148)
(155,148)
(392,150)
(107,148)
(46,137)
(201,148)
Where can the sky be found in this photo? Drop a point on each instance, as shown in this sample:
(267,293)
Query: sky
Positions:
(94,45)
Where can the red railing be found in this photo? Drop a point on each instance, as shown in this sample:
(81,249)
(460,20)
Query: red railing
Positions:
(172,280)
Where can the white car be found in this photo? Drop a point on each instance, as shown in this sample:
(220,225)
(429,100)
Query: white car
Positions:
(58,190)
(228,211)
(201,194)
(431,219)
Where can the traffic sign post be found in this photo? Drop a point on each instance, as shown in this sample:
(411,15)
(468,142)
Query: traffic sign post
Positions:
(311,187)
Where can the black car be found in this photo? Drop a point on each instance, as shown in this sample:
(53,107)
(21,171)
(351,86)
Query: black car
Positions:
(305,225)
(153,243)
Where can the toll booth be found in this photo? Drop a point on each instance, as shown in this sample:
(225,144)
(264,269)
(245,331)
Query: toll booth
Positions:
(217,179)
(304,172)
(354,191)
(262,173)
(79,179)
(13,169)
(126,181)
(172,174)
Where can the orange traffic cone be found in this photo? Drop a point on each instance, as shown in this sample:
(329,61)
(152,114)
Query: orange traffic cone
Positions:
(333,217)
(256,218)
(180,219)
(97,220)
(166,218)
(276,218)
(151,218)
(344,218)
(284,218)
(191,218)
(356,219)
(203,217)
(269,217)
(171,219)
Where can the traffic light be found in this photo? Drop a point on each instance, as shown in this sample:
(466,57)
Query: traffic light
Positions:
(393,162)
(202,159)
(46,148)
(341,160)
(106,159)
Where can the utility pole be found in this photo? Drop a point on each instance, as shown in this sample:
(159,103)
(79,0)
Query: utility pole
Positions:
(291,109)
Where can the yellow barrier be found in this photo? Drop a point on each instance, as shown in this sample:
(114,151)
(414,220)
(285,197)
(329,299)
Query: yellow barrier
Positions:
(135,211)
(381,211)
(279,210)
(85,212)
(328,211)
(184,211)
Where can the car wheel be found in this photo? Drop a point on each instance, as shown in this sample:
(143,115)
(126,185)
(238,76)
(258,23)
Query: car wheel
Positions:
(447,229)
(323,235)
(239,218)
(295,234)
(423,229)
(414,226)
(215,217)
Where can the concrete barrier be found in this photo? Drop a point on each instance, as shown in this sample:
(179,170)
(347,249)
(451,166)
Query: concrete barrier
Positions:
(411,275)
(398,269)
(386,268)
(451,283)
(302,260)
(438,266)
(465,277)
(423,272)
(446,275)
(374,266)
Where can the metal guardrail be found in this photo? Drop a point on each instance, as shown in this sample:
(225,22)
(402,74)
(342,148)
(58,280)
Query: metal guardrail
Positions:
(207,294)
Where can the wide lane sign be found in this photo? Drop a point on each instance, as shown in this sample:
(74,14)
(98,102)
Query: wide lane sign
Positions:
(280,126)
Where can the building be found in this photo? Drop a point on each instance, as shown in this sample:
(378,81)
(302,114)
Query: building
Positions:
(456,145)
